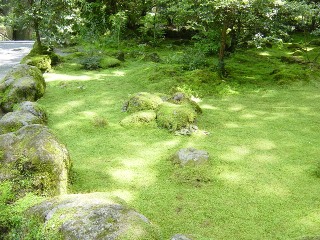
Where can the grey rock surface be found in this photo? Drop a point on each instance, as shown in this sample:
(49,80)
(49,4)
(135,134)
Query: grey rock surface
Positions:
(13,121)
(91,216)
(180,237)
(191,156)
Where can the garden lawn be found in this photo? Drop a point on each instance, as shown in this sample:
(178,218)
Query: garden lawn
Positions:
(261,182)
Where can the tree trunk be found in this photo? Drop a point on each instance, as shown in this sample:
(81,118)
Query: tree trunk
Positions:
(223,42)
(37,31)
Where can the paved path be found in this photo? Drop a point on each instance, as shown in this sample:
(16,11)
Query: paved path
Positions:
(11,53)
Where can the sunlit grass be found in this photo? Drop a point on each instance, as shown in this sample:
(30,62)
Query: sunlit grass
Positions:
(263,146)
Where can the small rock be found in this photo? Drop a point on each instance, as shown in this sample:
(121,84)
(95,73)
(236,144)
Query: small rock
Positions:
(180,237)
(191,156)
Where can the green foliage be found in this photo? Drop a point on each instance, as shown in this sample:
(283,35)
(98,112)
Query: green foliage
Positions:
(12,210)
(118,22)
(152,26)
(91,62)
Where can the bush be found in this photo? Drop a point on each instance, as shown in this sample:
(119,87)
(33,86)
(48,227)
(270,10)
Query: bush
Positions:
(90,63)
(194,59)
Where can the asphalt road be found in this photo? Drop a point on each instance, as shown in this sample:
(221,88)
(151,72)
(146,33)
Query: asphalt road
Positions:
(11,53)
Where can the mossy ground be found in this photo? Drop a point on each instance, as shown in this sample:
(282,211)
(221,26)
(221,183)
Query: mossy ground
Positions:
(263,143)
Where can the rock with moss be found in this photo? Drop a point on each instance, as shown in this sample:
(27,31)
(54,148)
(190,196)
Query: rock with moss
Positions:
(22,83)
(34,108)
(175,116)
(139,118)
(87,216)
(13,121)
(142,101)
(182,98)
(43,62)
(35,160)
(109,62)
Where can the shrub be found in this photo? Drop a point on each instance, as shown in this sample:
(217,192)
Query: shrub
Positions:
(90,63)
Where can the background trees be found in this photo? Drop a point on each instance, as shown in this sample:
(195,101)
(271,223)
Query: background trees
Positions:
(219,26)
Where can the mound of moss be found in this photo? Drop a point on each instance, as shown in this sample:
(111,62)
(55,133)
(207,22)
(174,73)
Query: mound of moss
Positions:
(139,118)
(142,101)
(175,116)
(109,62)
(42,57)
(43,62)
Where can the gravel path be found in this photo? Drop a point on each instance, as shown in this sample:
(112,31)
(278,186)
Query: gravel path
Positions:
(11,53)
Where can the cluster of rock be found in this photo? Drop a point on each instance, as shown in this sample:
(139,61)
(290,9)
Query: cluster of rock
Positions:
(171,112)
(31,155)
(33,159)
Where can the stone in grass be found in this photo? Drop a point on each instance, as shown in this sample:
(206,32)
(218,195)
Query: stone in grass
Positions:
(22,83)
(190,156)
(35,161)
(88,216)
(180,237)
(139,118)
(175,116)
(142,101)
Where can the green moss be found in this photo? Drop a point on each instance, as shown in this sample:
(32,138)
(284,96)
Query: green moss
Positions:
(43,62)
(143,101)
(109,62)
(139,118)
(175,116)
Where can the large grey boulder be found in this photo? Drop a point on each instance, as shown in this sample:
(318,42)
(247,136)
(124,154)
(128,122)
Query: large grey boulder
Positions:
(191,156)
(22,83)
(35,160)
(89,216)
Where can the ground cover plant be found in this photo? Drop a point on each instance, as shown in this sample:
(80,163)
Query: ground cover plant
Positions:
(260,126)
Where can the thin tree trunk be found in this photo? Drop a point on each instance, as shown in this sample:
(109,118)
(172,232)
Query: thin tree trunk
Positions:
(37,31)
(223,42)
